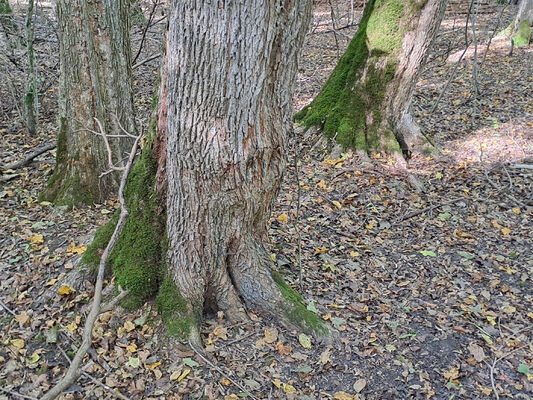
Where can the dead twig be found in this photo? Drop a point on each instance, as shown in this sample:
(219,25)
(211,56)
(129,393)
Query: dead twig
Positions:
(17,394)
(73,370)
(424,210)
(221,372)
(6,308)
(28,159)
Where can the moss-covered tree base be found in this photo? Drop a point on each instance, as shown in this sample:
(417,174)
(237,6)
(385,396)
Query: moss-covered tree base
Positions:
(522,36)
(363,103)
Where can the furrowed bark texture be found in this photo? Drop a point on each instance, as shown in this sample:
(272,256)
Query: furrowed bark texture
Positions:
(95,82)
(231,71)
(365,102)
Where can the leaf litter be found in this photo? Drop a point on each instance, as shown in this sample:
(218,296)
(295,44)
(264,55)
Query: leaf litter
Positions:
(427,297)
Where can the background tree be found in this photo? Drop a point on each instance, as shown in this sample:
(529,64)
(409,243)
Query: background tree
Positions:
(521,26)
(365,102)
(30,96)
(224,114)
(95,82)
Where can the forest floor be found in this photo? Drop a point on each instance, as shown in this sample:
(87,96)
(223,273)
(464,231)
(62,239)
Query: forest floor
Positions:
(428,292)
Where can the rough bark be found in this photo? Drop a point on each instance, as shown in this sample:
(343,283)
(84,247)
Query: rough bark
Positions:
(95,82)
(521,27)
(231,69)
(365,102)
(30,96)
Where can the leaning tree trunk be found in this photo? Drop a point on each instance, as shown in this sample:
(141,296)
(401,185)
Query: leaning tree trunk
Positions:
(231,71)
(365,102)
(521,27)
(95,83)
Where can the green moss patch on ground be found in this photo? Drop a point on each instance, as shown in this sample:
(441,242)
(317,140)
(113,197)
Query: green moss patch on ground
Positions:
(174,311)
(522,37)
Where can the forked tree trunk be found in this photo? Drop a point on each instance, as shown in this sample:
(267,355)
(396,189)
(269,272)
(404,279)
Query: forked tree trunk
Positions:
(365,102)
(231,71)
(95,82)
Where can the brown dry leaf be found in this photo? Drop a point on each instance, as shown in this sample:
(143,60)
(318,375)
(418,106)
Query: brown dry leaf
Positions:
(129,326)
(325,357)
(476,351)
(271,335)
(225,381)
(231,397)
(175,375)
(359,385)
(221,332)
(452,374)
(283,218)
(282,349)
(18,343)
(23,318)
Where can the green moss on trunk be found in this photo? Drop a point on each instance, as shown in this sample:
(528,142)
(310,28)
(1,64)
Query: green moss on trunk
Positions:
(522,37)
(174,312)
(296,312)
(349,107)
(138,257)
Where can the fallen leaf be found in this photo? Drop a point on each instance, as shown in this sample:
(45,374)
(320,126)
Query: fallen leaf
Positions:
(184,375)
(344,396)
(65,290)
(271,335)
(283,218)
(18,343)
(304,340)
(36,239)
(359,385)
(22,318)
(477,352)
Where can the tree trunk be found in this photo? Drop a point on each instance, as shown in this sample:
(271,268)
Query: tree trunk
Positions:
(365,102)
(8,25)
(231,71)
(95,82)
(30,96)
(521,32)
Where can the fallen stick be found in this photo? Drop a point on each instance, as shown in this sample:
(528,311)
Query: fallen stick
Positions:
(27,160)
(415,213)
(73,371)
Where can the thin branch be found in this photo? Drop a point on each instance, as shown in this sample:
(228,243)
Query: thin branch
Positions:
(73,371)
(7,308)
(242,389)
(142,62)
(148,24)
(28,159)
(17,394)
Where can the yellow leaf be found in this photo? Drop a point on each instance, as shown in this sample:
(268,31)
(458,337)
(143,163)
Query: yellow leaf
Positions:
(438,175)
(65,290)
(231,397)
(72,248)
(333,162)
(354,254)
(184,375)
(36,239)
(129,326)
(321,184)
(225,381)
(271,335)
(289,389)
(337,204)
(491,319)
(321,250)
(33,358)
(45,203)
(277,383)
(304,340)
(283,218)
(530,315)
(506,231)
(154,365)
(51,282)
(72,326)
(132,348)
(344,396)
(516,210)
(23,318)
(18,343)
